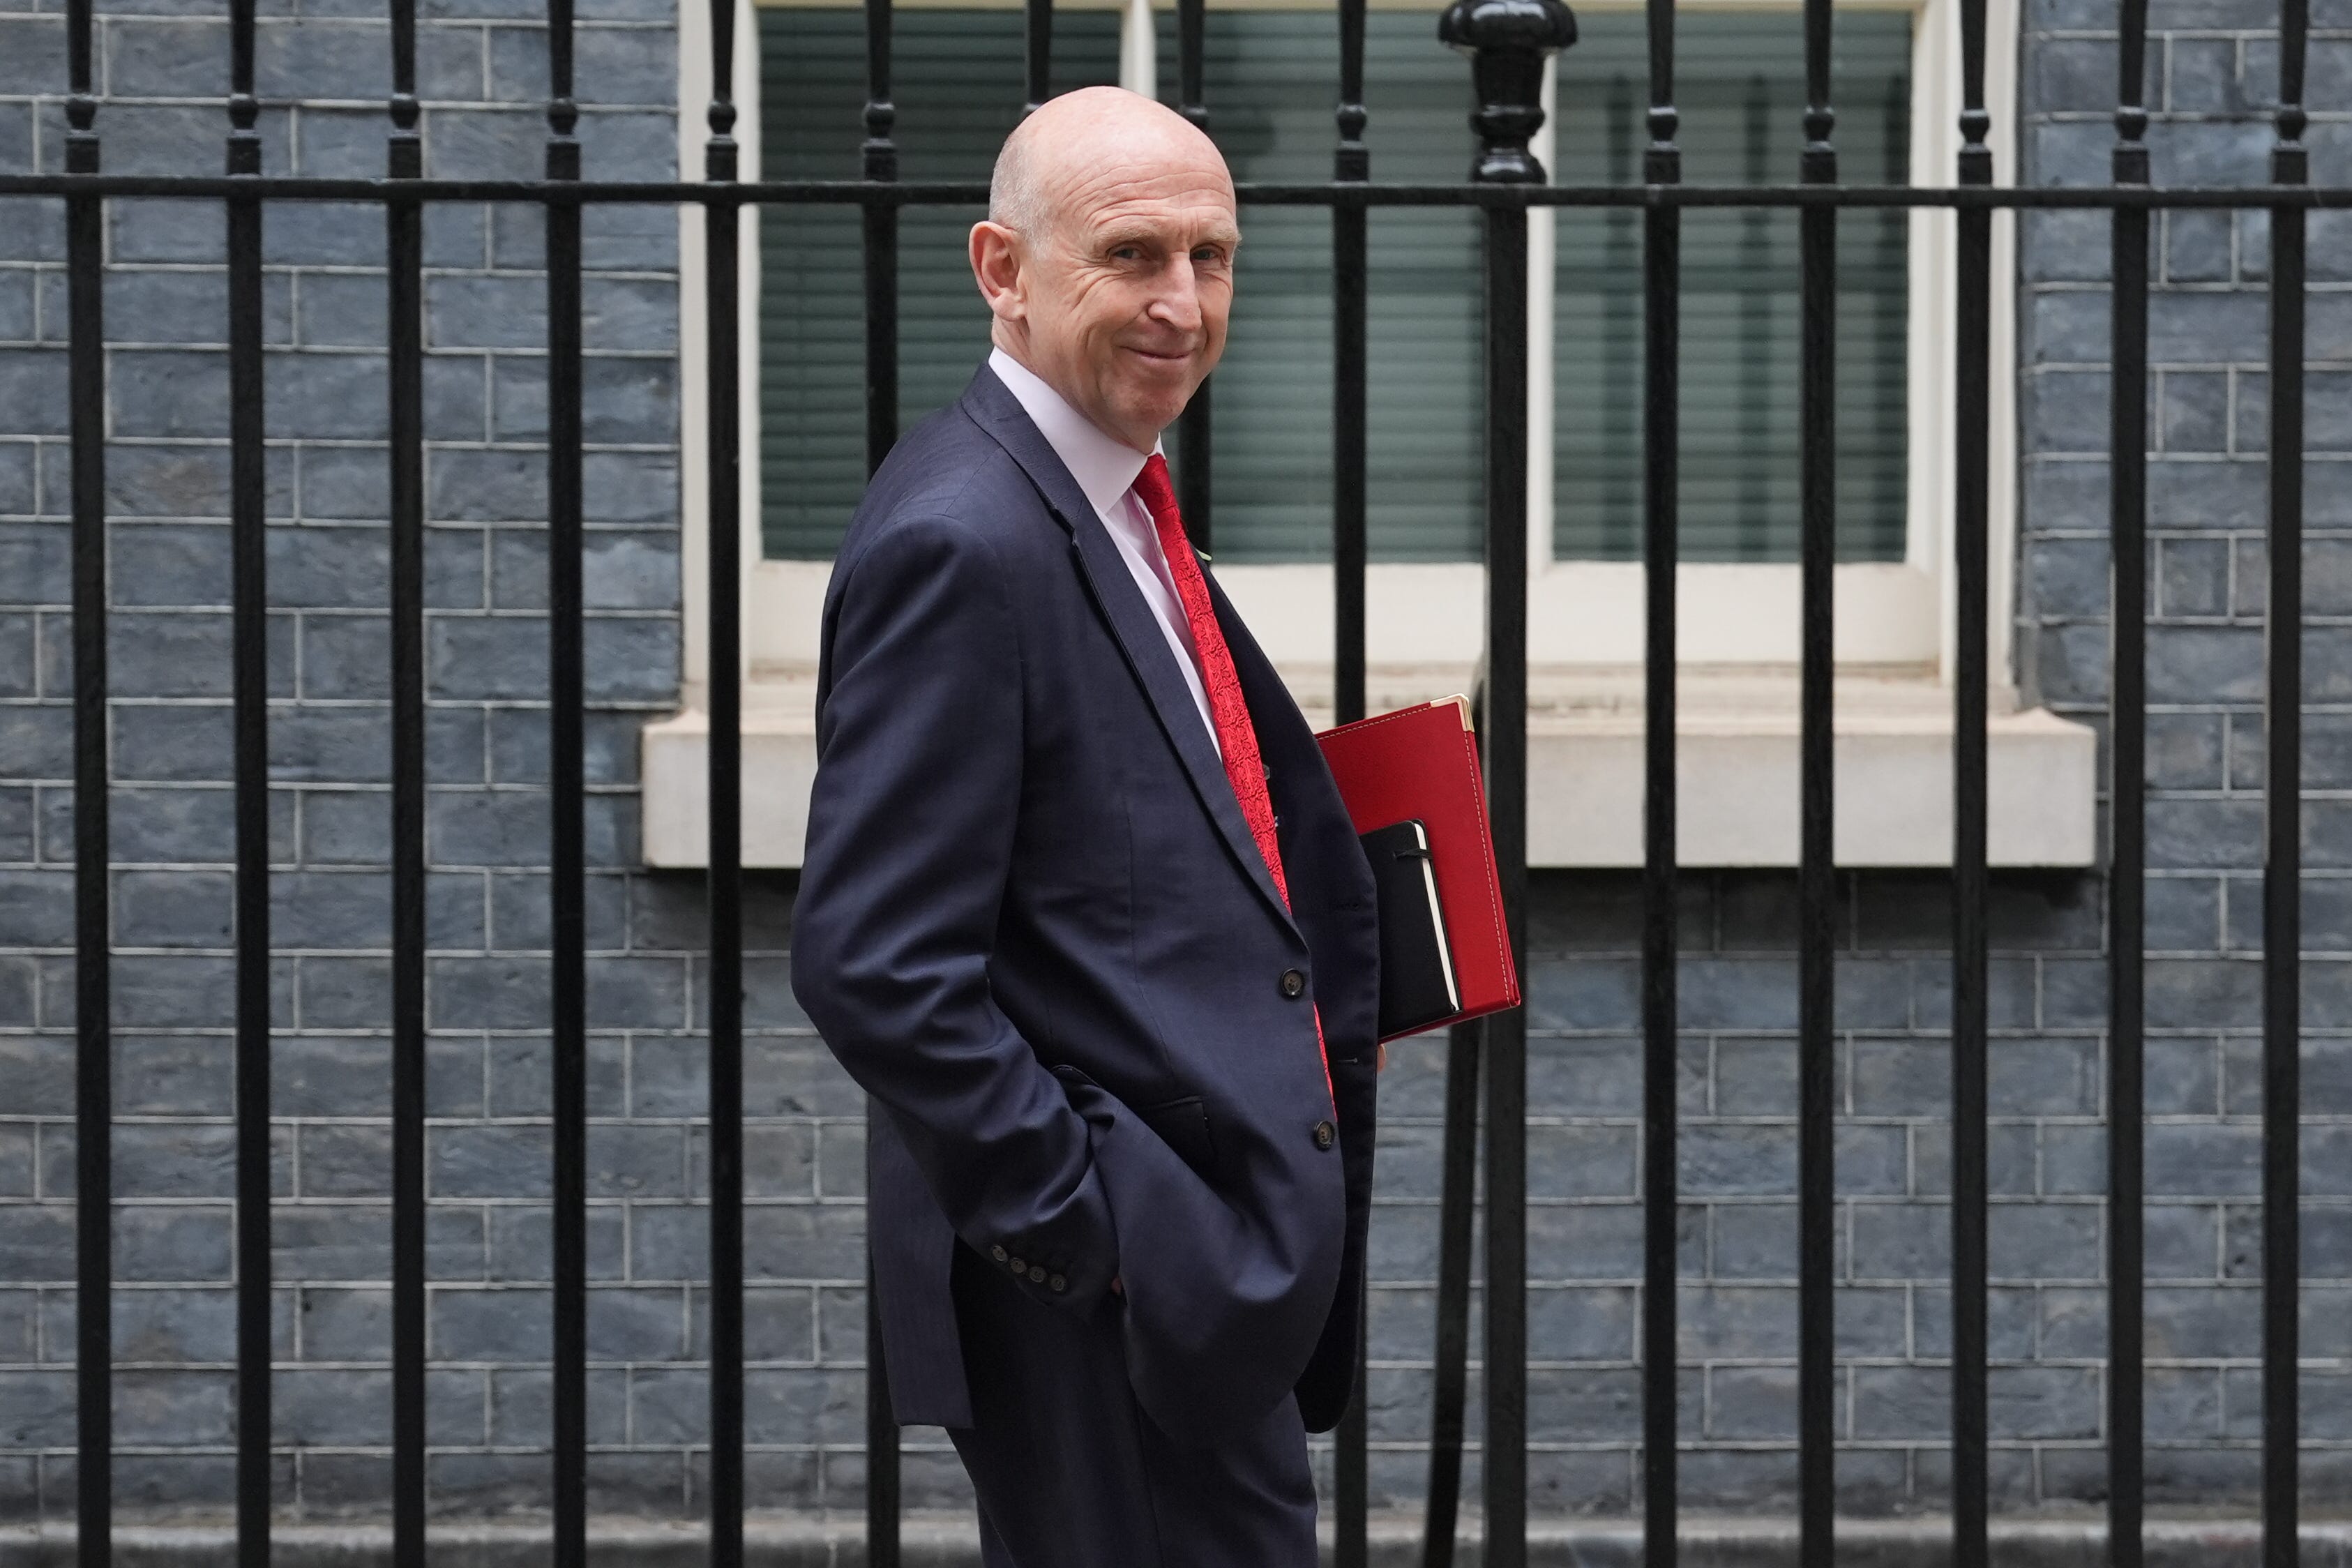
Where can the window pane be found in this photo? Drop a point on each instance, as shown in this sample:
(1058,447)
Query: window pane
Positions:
(1271,79)
(1740,80)
(957,85)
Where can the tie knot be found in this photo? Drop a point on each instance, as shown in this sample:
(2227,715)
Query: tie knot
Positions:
(1158,495)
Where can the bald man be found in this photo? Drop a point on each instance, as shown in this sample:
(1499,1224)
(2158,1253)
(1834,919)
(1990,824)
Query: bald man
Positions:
(1082,910)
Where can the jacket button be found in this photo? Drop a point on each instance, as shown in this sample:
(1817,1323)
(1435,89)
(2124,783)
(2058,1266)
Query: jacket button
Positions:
(1019,1267)
(1325,1135)
(1037,1273)
(998,1253)
(1057,1283)
(1294,984)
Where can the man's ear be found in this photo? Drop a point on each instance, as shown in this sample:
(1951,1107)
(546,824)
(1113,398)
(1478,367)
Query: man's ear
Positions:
(996,268)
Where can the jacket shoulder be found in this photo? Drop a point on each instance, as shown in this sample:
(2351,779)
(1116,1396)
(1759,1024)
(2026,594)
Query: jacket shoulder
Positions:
(949,470)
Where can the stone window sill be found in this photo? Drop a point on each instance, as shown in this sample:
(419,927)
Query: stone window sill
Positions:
(1738,770)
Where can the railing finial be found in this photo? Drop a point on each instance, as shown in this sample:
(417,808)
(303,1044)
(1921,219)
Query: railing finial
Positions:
(2290,158)
(1352,160)
(1975,159)
(880,155)
(406,161)
(81,102)
(719,150)
(2131,92)
(1508,41)
(562,106)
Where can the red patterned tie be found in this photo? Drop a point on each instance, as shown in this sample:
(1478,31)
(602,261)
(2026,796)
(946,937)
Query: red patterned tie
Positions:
(1237,736)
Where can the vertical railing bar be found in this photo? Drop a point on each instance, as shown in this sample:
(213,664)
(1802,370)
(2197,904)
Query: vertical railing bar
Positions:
(567,785)
(1036,53)
(1757,252)
(249,680)
(1972,568)
(1457,1197)
(404,343)
(1191,18)
(1509,49)
(1616,394)
(93,957)
(1351,1458)
(2282,819)
(1504,1457)
(1192,427)
(723,309)
(880,164)
(1351,161)
(1662,165)
(1817,872)
(2127,751)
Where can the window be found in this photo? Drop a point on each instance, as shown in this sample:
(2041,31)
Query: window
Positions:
(956,82)
(1272,71)
(1272,77)
(1740,86)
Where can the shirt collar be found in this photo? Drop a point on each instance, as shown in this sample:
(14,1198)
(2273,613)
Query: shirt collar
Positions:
(1105,467)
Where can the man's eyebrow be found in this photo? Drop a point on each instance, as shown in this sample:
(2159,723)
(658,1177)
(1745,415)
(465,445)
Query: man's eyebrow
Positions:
(1125,234)
(1111,239)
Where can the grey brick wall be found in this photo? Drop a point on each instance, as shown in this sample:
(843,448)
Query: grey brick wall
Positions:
(2214,86)
(483,76)
(489,1142)
(1737,1180)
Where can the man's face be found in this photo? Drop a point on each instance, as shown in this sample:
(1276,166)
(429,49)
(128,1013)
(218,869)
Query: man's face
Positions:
(1125,295)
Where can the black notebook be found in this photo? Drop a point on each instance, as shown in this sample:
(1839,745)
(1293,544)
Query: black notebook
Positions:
(1417,985)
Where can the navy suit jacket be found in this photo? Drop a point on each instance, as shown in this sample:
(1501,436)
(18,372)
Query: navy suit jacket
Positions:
(1033,925)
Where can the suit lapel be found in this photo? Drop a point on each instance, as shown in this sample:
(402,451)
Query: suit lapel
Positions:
(994,408)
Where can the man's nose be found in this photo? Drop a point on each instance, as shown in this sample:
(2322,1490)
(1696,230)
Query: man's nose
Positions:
(1178,302)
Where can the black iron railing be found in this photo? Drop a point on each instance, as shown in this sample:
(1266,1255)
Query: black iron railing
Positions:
(1507,40)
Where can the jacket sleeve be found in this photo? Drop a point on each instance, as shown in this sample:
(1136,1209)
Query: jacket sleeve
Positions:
(911,835)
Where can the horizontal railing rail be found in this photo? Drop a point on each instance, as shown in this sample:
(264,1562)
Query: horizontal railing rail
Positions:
(1378,194)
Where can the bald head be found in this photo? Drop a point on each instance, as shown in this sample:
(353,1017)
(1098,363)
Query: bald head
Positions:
(1106,258)
(1053,149)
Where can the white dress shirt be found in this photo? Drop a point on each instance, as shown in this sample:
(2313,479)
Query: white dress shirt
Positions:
(1105,470)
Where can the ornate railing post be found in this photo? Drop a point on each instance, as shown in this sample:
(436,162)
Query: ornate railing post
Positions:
(1508,41)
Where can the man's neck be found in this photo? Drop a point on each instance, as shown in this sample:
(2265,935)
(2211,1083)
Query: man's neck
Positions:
(1103,465)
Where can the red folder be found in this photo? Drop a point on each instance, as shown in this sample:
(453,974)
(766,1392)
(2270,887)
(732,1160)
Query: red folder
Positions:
(1422,763)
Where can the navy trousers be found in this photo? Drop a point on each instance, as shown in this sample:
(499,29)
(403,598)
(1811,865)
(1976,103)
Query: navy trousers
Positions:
(1069,1471)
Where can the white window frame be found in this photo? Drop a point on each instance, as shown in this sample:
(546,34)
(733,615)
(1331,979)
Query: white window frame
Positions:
(1738,622)
(1891,617)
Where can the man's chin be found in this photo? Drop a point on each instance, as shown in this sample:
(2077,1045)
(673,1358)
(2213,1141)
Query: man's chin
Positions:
(1158,405)
(1146,421)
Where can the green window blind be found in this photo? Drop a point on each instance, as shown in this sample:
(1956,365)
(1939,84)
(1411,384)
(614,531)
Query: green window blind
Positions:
(1271,77)
(1739,81)
(1272,81)
(956,79)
